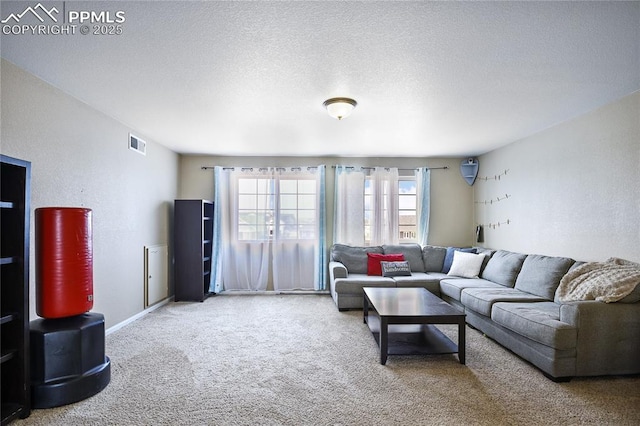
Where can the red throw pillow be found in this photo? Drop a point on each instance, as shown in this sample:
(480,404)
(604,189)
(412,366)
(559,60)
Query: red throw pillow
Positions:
(374,259)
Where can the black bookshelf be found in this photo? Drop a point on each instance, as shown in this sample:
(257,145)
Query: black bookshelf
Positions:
(15,178)
(193,245)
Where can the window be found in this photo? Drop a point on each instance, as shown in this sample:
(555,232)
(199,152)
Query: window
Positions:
(381,205)
(291,203)
(407,207)
(269,228)
(255,209)
(368,211)
(297,209)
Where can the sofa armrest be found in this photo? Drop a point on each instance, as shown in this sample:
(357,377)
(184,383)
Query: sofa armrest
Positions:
(599,314)
(337,270)
(608,336)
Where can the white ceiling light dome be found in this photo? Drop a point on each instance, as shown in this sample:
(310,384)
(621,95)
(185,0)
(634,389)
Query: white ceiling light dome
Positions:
(339,107)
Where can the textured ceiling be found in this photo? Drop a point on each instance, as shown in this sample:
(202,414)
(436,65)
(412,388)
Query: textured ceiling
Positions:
(430,78)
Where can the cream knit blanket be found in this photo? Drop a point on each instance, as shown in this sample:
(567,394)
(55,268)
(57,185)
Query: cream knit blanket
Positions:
(606,282)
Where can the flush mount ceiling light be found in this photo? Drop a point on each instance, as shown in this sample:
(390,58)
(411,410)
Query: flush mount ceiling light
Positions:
(339,107)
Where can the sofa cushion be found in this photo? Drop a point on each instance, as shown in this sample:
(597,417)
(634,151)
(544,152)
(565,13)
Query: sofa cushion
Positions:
(395,269)
(433,258)
(481,300)
(453,287)
(412,254)
(374,259)
(539,321)
(355,282)
(540,275)
(466,265)
(438,275)
(503,267)
(417,278)
(420,279)
(448,257)
(487,255)
(353,258)
(576,264)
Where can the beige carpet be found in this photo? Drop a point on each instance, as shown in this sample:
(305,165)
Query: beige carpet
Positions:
(296,360)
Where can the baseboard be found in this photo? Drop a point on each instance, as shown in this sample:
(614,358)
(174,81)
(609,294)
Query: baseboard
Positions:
(137,316)
(272,292)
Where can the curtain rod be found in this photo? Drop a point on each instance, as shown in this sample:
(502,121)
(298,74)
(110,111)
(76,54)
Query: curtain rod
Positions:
(371,168)
(259,168)
(352,167)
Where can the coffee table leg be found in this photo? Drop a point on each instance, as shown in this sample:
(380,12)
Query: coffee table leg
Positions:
(384,339)
(365,307)
(461,342)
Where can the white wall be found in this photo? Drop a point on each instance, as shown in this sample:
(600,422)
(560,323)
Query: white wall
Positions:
(575,188)
(451,198)
(79,157)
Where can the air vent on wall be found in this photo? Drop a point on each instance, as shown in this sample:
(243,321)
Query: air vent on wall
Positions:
(138,145)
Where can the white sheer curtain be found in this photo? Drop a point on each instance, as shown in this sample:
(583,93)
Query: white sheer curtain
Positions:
(242,264)
(348,215)
(270,221)
(385,218)
(423,205)
(366,199)
(298,243)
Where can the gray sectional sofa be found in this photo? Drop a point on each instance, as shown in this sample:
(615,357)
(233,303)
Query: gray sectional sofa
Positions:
(513,301)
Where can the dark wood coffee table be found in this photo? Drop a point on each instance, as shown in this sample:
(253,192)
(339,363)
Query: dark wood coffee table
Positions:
(402,322)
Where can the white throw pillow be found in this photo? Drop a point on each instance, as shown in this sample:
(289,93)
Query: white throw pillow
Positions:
(466,265)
